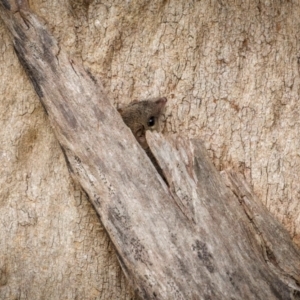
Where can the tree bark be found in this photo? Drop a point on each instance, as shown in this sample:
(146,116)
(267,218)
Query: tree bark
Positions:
(192,240)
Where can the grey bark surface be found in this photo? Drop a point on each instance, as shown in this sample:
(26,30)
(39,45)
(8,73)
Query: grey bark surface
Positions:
(170,241)
(52,244)
(231,75)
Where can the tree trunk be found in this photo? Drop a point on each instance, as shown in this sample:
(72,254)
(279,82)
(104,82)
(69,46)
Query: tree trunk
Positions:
(170,241)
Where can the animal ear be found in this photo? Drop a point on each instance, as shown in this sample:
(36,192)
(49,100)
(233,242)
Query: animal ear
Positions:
(161,102)
(134,101)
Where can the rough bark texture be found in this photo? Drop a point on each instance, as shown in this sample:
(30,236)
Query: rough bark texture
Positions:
(233,74)
(52,245)
(232,70)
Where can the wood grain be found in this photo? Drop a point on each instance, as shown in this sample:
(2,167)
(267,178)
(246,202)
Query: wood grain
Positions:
(198,239)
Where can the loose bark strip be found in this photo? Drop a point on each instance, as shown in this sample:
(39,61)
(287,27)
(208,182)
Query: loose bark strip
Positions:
(196,240)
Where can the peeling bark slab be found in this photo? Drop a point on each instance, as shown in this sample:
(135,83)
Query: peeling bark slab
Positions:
(198,239)
(235,226)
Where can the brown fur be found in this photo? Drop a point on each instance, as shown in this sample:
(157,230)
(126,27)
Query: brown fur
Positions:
(137,116)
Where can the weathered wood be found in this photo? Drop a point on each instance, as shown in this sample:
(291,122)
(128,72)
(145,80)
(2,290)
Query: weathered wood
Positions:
(192,241)
(237,227)
(275,245)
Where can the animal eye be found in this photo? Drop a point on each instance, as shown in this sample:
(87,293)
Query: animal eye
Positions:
(151,121)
